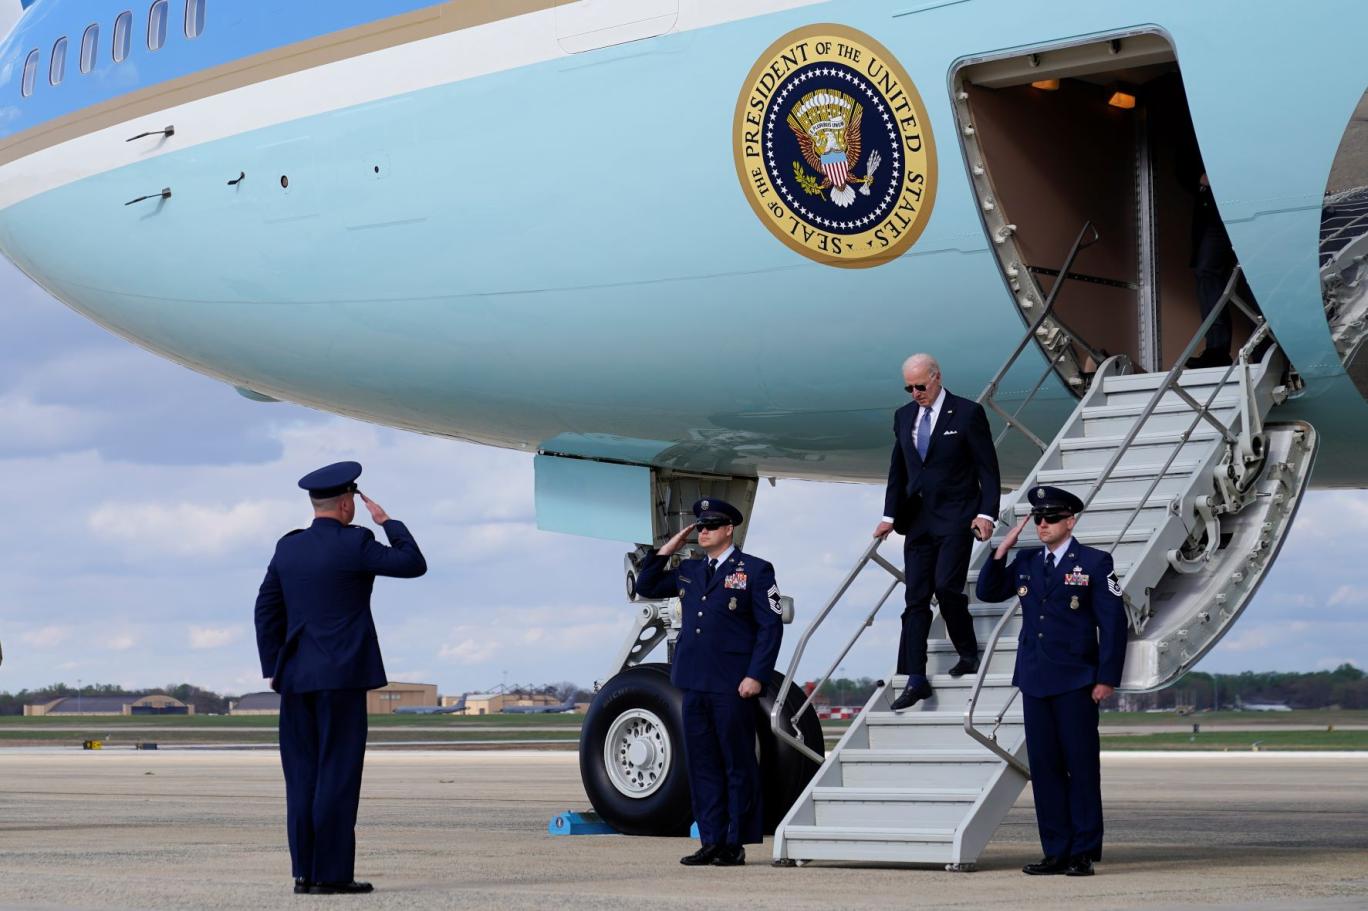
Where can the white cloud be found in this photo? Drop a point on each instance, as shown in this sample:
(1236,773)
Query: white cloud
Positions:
(470,651)
(192,529)
(121,642)
(213,637)
(46,637)
(29,425)
(1349,596)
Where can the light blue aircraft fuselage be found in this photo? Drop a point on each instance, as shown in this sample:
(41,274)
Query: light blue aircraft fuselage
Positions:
(539,243)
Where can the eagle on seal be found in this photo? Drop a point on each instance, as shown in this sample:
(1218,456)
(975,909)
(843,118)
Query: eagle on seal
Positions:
(827,127)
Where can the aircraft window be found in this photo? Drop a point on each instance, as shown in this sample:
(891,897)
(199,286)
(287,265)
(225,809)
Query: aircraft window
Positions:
(156,25)
(57,66)
(90,46)
(30,73)
(194,18)
(123,30)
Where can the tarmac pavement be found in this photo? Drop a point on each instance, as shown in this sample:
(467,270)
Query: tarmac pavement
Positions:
(205,830)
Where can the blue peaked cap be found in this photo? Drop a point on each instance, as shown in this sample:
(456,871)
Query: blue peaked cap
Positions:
(331,480)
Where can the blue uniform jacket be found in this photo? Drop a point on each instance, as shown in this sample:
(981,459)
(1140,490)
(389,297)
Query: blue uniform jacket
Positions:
(313,618)
(731,628)
(958,480)
(1073,632)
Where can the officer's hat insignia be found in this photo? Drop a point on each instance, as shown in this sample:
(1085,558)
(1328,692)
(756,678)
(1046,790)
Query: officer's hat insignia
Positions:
(704,505)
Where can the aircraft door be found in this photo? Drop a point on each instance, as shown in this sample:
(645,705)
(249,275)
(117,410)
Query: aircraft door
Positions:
(587,25)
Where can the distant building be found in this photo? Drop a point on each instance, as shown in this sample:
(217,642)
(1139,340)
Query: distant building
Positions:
(111,705)
(388,698)
(267,703)
(484,703)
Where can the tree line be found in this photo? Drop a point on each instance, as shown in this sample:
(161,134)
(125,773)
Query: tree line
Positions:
(1345,687)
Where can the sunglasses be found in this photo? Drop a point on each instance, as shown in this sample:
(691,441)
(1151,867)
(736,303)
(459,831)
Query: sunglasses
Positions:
(1050,518)
(916,387)
(710,525)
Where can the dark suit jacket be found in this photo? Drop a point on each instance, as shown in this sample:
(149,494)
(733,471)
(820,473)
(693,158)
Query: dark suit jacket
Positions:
(1073,630)
(731,628)
(313,618)
(958,480)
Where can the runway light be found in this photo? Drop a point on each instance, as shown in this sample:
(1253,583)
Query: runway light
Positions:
(1123,100)
(1046,85)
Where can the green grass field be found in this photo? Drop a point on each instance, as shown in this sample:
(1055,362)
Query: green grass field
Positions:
(1235,730)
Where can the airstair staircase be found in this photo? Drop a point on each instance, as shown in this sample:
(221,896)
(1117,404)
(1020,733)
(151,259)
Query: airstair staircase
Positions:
(1190,490)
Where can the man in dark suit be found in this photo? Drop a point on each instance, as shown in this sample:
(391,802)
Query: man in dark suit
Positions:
(732,627)
(1070,653)
(317,643)
(942,494)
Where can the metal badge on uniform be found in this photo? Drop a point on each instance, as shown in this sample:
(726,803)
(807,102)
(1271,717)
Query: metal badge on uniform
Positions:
(731,605)
(1022,591)
(735,580)
(1073,603)
(681,593)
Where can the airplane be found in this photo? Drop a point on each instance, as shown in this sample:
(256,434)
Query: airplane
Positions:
(675,247)
(567,706)
(456,708)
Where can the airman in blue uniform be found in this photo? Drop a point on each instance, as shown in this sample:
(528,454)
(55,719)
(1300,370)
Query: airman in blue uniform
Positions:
(732,627)
(1069,657)
(317,642)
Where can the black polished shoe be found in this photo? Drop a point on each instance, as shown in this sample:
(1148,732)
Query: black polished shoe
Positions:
(1047,866)
(351,888)
(302,885)
(702,857)
(1079,865)
(916,690)
(730,856)
(964,666)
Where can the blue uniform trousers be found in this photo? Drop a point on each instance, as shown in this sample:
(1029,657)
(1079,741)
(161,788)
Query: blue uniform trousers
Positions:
(724,776)
(1066,772)
(322,748)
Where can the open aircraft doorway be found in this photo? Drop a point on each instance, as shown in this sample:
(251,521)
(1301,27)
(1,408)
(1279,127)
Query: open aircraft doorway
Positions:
(1094,132)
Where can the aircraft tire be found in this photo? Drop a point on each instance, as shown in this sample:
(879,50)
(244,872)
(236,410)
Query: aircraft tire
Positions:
(641,787)
(784,771)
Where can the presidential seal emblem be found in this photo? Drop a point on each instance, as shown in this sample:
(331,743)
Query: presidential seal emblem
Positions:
(833,147)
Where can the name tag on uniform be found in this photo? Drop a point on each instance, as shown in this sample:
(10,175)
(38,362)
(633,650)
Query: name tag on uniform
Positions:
(1075,578)
(735,580)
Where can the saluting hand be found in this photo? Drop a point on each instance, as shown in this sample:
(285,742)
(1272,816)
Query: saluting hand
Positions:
(677,541)
(1010,541)
(378,514)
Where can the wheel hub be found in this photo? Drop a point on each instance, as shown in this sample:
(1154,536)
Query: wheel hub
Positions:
(637,753)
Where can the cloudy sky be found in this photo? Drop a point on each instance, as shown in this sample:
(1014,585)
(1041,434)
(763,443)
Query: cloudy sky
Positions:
(143,501)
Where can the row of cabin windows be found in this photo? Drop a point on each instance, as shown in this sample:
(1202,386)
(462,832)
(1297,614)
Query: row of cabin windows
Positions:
(157,17)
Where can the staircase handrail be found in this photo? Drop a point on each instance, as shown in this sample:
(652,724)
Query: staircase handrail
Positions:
(787,731)
(990,741)
(985,397)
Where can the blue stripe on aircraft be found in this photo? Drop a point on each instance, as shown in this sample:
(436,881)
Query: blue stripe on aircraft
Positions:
(232,30)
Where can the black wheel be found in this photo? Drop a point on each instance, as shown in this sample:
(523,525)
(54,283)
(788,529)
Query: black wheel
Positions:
(632,754)
(784,771)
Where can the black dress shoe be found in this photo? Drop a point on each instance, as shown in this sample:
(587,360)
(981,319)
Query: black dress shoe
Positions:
(302,886)
(964,666)
(915,691)
(702,857)
(351,888)
(1079,865)
(730,856)
(1047,866)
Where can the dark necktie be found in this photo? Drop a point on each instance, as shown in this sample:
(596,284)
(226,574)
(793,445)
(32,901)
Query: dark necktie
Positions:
(712,568)
(1049,565)
(924,432)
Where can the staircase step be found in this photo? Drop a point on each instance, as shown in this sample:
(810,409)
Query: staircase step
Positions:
(1134,382)
(863,843)
(1087,474)
(1103,537)
(914,718)
(1224,401)
(946,682)
(929,809)
(1080,444)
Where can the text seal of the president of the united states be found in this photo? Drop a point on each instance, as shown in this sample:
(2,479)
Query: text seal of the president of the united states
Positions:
(833,147)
